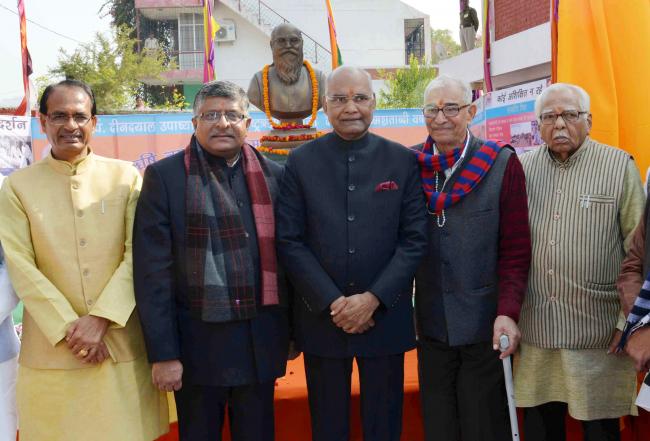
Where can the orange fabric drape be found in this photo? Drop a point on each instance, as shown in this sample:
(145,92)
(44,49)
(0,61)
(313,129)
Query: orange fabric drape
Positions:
(604,46)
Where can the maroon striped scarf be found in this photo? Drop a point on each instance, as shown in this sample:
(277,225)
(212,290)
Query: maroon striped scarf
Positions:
(220,271)
(471,174)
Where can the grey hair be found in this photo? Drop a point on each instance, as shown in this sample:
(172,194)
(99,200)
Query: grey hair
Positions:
(583,97)
(222,89)
(444,81)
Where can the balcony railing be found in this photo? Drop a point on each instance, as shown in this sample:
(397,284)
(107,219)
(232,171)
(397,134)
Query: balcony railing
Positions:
(266,18)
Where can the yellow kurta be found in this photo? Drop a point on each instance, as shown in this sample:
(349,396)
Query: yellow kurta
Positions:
(66,232)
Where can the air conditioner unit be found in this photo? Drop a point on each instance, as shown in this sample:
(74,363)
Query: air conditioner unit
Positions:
(226,31)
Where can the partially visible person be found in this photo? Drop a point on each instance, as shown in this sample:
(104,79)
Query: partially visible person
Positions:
(470,285)
(9,347)
(140,105)
(151,44)
(468,26)
(65,227)
(633,285)
(211,297)
(584,199)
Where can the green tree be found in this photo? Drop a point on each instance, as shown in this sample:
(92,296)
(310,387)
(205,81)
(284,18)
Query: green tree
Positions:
(443,45)
(405,87)
(112,68)
(122,13)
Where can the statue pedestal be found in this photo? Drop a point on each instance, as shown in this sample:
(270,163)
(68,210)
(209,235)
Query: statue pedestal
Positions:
(278,139)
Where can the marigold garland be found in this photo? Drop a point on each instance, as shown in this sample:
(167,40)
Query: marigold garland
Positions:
(290,138)
(314,100)
(283,152)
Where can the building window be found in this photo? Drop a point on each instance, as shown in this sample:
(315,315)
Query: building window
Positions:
(190,41)
(414,38)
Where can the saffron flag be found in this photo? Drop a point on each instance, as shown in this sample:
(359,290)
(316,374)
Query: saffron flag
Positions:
(487,47)
(555,4)
(337,60)
(604,47)
(210,28)
(24,108)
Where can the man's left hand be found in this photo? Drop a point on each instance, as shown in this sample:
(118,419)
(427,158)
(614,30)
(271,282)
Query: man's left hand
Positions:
(85,334)
(638,348)
(357,313)
(505,325)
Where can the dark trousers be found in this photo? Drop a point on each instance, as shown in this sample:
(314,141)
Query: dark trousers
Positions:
(382,394)
(462,392)
(250,410)
(547,423)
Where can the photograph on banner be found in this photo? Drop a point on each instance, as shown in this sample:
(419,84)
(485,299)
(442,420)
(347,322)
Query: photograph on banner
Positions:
(508,115)
(15,143)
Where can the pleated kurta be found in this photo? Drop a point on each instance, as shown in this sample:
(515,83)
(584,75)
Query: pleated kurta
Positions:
(66,232)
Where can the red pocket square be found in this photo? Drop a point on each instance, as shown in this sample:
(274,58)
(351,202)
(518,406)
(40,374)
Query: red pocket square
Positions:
(386,186)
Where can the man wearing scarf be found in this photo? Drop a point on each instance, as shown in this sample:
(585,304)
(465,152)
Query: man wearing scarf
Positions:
(634,293)
(470,286)
(212,306)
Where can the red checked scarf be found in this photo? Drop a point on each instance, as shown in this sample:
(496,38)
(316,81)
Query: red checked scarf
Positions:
(220,271)
(477,167)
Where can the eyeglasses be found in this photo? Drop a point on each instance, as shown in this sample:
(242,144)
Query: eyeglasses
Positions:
(282,41)
(449,110)
(569,116)
(60,119)
(231,116)
(359,100)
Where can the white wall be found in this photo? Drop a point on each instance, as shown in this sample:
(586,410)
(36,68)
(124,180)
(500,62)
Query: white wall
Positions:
(370,32)
(519,58)
(238,61)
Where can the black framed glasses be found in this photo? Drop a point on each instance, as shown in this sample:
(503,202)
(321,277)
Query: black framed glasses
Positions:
(569,116)
(213,116)
(449,110)
(60,119)
(359,99)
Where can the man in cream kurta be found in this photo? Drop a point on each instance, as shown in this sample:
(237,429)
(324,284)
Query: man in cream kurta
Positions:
(65,226)
(584,200)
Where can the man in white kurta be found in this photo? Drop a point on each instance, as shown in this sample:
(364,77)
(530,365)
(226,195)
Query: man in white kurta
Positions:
(65,226)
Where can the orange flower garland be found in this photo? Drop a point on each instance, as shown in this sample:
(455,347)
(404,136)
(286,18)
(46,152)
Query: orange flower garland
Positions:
(290,138)
(314,99)
(283,152)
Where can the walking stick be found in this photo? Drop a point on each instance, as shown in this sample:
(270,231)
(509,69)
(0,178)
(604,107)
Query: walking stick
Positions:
(504,343)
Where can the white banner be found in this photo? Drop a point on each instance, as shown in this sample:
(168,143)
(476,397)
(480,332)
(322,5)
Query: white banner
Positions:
(15,143)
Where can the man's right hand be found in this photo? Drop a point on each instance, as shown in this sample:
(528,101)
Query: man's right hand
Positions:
(638,348)
(167,375)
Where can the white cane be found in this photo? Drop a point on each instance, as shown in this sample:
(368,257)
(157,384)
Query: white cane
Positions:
(504,344)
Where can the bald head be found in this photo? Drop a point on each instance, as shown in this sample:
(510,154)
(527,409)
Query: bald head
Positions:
(349,74)
(285,29)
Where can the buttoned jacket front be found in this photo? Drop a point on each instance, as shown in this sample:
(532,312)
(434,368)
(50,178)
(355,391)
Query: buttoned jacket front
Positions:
(351,219)
(66,232)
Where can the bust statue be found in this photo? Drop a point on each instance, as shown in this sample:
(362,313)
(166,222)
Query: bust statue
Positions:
(290,85)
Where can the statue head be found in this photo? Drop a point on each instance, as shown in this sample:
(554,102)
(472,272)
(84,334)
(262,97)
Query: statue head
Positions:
(286,44)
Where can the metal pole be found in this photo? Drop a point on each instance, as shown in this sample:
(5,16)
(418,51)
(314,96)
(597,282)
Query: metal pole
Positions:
(504,344)
(259,13)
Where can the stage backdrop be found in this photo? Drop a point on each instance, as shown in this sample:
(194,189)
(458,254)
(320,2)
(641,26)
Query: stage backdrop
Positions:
(145,138)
